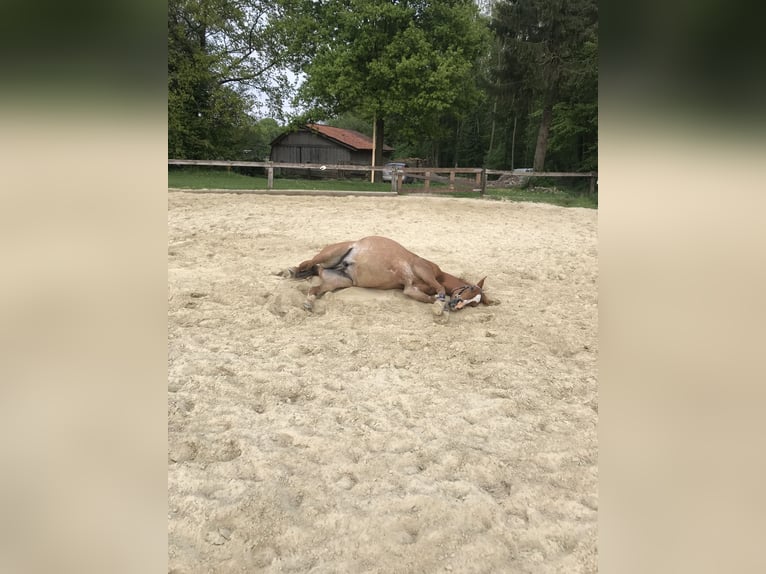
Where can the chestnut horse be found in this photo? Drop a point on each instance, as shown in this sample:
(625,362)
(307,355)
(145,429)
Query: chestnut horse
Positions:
(381,263)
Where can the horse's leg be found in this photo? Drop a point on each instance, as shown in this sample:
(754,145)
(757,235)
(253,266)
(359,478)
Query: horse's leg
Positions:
(438,305)
(412,291)
(426,275)
(330,280)
(330,256)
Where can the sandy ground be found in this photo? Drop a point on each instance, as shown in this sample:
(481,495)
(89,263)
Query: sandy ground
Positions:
(371,436)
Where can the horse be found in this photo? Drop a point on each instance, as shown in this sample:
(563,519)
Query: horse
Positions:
(382,263)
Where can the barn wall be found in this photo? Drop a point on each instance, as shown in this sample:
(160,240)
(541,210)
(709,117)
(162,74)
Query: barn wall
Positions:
(305,147)
(363,157)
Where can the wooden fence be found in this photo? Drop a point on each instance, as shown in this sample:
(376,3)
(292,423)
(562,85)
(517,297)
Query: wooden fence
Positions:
(467,179)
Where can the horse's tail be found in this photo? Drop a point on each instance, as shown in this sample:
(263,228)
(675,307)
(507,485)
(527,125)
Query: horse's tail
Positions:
(301,272)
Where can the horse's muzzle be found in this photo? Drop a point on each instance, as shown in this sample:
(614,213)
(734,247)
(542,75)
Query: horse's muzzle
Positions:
(456,303)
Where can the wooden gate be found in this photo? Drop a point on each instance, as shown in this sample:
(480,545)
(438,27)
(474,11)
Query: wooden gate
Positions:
(470,180)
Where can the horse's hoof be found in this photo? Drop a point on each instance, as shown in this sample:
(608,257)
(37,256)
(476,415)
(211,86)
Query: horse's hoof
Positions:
(437,307)
(442,318)
(289,272)
(308,306)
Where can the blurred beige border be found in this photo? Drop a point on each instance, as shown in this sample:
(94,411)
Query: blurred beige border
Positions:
(682,279)
(83,331)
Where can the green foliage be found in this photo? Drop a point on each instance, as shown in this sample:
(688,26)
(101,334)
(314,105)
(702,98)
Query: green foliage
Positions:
(258,140)
(451,88)
(219,53)
(351,121)
(207,178)
(574,133)
(411,63)
(547,58)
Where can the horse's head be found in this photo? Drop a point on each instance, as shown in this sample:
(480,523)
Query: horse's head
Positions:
(468,295)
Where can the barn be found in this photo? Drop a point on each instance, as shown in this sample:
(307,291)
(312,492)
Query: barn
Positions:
(316,143)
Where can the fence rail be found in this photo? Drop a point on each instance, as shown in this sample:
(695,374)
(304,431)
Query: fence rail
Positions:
(477,183)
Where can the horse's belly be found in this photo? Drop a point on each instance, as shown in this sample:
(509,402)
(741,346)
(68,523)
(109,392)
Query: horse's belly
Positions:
(376,278)
(376,271)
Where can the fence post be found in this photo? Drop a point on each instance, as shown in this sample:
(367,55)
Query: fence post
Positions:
(427,185)
(483,185)
(394,182)
(592,183)
(452,180)
(270,176)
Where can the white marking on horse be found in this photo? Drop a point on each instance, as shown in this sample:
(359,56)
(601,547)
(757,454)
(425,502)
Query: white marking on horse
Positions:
(464,302)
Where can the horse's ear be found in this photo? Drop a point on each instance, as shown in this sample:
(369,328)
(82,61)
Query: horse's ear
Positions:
(484,299)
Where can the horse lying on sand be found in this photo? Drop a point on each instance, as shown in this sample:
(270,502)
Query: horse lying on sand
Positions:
(381,263)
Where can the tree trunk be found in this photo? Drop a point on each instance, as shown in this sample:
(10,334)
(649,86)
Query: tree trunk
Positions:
(492,132)
(378,147)
(457,142)
(513,143)
(542,135)
(374,142)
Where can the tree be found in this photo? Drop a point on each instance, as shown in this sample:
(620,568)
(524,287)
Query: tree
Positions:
(574,130)
(544,51)
(220,52)
(351,121)
(259,138)
(404,63)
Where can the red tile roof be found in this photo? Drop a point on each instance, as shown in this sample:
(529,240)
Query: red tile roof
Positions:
(349,138)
